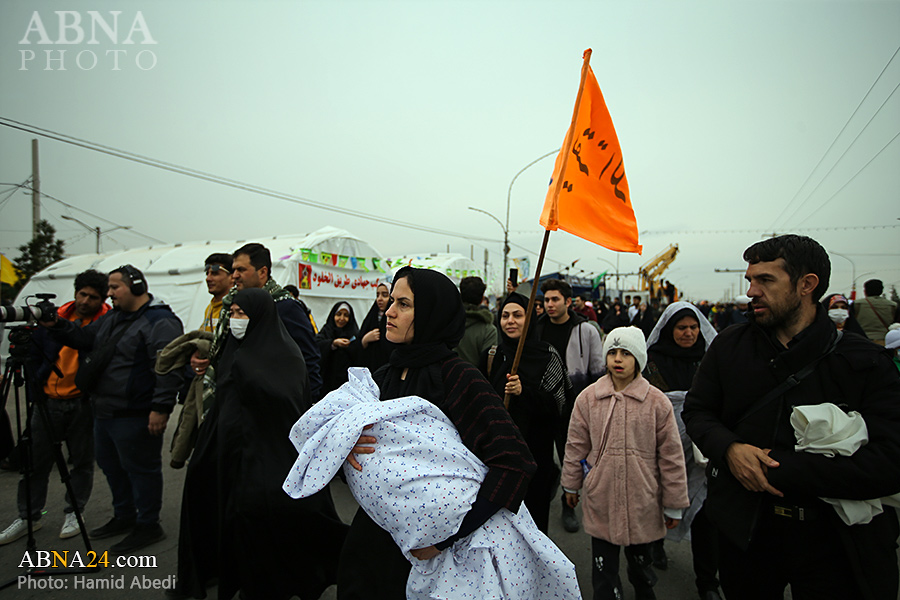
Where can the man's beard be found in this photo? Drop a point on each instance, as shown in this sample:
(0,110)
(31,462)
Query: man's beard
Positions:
(778,318)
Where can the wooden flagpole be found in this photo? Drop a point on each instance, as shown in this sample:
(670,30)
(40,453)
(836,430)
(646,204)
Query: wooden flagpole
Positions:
(553,218)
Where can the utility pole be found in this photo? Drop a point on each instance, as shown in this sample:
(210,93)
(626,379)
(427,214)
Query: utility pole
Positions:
(618,293)
(95,230)
(35,188)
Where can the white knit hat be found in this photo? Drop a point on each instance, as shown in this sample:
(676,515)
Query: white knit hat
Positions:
(892,339)
(627,338)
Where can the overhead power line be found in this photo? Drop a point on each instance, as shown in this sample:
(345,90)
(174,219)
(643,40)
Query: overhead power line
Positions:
(818,164)
(73,207)
(212,178)
(844,153)
(849,181)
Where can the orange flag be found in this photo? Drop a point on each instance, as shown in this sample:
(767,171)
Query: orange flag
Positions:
(588,194)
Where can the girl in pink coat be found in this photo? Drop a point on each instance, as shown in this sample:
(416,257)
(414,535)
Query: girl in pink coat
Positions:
(623,449)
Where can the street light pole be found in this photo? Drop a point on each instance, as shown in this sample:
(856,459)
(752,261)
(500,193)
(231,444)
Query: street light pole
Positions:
(95,230)
(505,239)
(853,273)
(508,198)
(604,278)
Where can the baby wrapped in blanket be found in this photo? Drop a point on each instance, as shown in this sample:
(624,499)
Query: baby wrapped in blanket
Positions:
(418,485)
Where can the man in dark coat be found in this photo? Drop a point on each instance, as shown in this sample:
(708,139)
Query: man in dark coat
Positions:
(480,333)
(131,403)
(764,497)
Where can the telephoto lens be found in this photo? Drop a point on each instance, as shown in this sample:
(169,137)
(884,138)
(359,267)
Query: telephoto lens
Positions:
(42,311)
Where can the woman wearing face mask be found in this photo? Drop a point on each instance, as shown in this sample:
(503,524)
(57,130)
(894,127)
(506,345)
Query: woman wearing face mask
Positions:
(537,394)
(334,341)
(237,510)
(426,320)
(674,349)
(372,349)
(839,312)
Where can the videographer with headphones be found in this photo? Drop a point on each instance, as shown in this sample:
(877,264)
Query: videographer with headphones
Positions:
(131,403)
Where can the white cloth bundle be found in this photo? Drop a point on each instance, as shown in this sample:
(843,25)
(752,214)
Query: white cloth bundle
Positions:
(826,429)
(418,485)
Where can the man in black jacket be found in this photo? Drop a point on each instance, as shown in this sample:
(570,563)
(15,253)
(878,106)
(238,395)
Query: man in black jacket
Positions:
(131,403)
(764,497)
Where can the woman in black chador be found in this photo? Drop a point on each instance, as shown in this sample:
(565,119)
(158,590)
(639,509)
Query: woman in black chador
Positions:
(674,350)
(242,528)
(334,340)
(427,320)
(538,392)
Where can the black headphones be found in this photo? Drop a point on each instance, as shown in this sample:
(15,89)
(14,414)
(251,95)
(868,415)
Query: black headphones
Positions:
(138,285)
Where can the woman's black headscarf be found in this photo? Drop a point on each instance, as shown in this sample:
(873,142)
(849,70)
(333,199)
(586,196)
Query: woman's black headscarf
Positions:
(535,354)
(677,365)
(330,331)
(267,362)
(439,322)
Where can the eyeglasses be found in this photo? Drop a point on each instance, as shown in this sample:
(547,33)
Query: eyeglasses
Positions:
(216,269)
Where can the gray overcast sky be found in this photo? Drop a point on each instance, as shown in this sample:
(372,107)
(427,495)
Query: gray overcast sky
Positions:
(417,110)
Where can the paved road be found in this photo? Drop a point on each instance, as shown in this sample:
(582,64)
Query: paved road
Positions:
(675,584)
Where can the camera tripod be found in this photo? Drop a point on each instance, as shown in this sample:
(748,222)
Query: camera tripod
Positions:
(17,376)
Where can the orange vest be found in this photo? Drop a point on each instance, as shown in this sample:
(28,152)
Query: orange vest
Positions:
(63,388)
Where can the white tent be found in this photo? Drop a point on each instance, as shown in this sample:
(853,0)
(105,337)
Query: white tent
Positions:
(454,266)
(328,265)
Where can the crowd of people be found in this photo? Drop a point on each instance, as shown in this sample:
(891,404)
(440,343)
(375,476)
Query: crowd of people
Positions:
(662,419)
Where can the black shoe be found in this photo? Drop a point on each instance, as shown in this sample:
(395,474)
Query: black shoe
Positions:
(569,520)
(114,526)
(711,595)
(141,537)
(658,553)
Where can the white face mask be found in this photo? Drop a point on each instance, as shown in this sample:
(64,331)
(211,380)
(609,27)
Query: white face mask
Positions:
(838,315)
(238,327)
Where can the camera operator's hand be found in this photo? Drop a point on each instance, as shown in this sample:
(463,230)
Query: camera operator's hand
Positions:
(49,324)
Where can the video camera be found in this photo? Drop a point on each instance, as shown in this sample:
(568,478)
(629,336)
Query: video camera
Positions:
(44,310)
